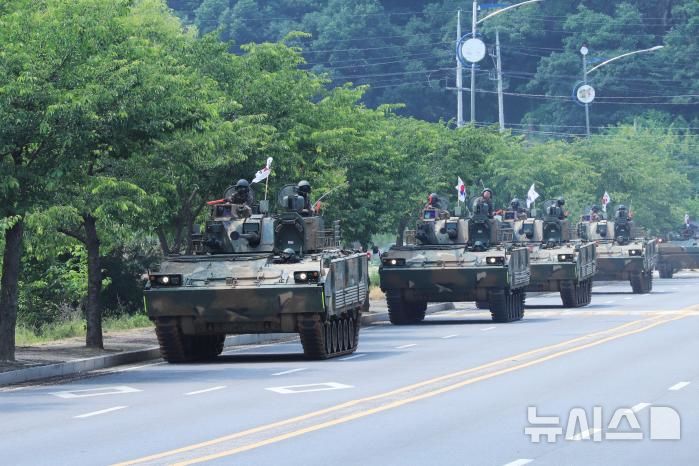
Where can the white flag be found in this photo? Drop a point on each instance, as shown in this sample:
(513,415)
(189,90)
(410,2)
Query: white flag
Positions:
(532,196)
(262,175)
(461,189)
(606,199)
(686,219)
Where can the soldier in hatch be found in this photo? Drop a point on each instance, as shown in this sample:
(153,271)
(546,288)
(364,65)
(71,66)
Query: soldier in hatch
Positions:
(242,194)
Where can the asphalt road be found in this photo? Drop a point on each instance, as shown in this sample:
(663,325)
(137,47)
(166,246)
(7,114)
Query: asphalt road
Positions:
(455,390)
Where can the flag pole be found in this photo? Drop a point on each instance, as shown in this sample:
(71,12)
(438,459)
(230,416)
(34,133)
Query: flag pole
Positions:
(267,182)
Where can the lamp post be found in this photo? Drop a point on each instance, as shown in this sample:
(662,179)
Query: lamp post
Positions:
(474,23)
(588,93)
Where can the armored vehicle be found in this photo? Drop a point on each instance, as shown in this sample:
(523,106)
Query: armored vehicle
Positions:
(253,272)
(623,251)
(679,251)
(455,259)
(559,262)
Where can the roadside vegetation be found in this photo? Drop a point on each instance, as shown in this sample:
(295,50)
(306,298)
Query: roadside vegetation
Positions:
(76,327)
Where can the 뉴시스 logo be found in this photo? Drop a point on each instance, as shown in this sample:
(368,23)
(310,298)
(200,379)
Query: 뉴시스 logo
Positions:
(662,423)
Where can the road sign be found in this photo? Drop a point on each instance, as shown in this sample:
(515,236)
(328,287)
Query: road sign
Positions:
(585,94)
(472,50)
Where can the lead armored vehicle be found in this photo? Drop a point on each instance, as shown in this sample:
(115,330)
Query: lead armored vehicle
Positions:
(623,251)
(455,259)
(559,263)
(254,272)
(679,251)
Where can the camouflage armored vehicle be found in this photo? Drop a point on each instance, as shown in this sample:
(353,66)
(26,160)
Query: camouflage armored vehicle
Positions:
(253,272)
(679,251)
(455,259)
(623,252)
(559,263)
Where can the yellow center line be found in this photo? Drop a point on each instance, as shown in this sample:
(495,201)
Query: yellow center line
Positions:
(413,399)
(403,390)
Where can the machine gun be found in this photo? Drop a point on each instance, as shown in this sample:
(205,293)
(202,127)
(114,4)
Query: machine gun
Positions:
(556,229)
(298,228)
(234,228)
(622,226)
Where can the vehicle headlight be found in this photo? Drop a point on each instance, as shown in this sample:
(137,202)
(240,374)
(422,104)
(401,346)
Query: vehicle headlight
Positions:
(495,260)
(635,252)
(566,258)
(307,277)
(393,262)
(165,280)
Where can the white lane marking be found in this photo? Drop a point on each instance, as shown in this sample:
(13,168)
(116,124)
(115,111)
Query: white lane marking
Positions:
(406,346)
(585,434)
(628,299)
(640,407)
(519,462)
(291,371)
(450,336)
(206,390)
(97,413)
(487,329)
(354,356)
(88,392)
(138,367)
(679,386)
(609,302)
(313,387)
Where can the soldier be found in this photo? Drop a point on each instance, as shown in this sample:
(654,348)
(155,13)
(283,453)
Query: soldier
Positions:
(304,189)
(595,213)
(433,201)
(518,209)
(485,201)
(622,213)
(242,194)
(560,202)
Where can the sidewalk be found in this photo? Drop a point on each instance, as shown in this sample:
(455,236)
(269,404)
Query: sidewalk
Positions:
(70,357)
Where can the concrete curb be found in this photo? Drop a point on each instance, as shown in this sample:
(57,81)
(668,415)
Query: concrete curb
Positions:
(79,366)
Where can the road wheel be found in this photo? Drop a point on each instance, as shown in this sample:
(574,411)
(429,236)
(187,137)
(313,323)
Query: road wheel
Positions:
(587,291)
(401,312)
(350,333)
(315,336)
(175,347)
(665,271)
(207,347)
(641,283)
(418,311)
(345,334)
(503,307)
(520,301)
(569,293)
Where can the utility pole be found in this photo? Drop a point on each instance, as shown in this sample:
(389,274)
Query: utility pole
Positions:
(474,21)
(501,104)
(459,78)
(583,52)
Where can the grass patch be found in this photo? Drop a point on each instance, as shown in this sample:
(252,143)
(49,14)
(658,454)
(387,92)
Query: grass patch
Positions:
(26,336)
(126,322)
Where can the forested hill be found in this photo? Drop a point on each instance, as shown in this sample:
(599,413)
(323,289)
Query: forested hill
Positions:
(404,49)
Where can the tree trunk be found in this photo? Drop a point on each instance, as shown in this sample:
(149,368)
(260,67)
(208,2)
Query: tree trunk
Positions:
(9,290)
(401,230)
(162,237)
(93,339)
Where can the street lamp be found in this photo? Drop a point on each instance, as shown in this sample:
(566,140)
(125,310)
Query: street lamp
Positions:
(586,93)
(474,46)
